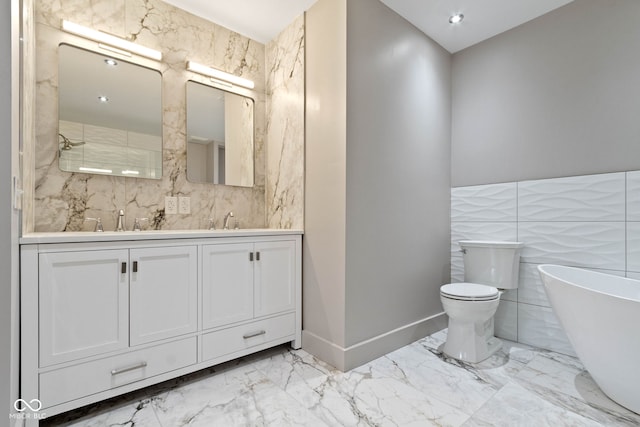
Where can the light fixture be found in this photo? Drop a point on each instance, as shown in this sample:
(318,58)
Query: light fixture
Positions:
(456,19)
(130,172)
(113,43)
(83,169)
(111,62)
(103,98)
(219,75)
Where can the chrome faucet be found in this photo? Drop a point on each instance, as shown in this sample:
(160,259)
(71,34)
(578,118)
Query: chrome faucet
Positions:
(98,228)
(226,220)
(212,225)
(120,223)
(136,224)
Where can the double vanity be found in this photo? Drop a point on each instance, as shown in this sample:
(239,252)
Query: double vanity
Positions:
(106,313)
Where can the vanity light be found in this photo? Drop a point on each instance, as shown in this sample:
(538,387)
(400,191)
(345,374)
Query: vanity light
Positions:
(111,62)
(94,170)
(112,43)
(103,98)
(219,75)
(456,19)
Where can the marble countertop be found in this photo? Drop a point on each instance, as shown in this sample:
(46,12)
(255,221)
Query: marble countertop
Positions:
(113,236)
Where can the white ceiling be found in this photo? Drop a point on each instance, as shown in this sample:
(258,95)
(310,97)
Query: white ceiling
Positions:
(262,20)
(482,18)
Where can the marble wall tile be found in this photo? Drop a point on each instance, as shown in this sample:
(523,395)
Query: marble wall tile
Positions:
(576,198)
(61,200)
(285,153)
(492,202)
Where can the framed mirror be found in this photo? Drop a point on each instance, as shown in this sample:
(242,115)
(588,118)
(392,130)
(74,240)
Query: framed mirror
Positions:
(110,115)
(220,136)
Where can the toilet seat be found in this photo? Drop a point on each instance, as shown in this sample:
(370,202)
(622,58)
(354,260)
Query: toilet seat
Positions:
(469,292)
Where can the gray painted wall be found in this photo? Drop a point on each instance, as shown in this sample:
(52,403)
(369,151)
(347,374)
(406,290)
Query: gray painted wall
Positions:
(8,217)
(325,141)
(376,244)
(557,96)
(398,157)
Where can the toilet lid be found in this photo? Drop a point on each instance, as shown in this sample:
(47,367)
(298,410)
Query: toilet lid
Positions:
(469,291)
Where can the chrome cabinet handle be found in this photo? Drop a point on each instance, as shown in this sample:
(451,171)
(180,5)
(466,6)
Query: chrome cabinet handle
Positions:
(128,368)
(253,334)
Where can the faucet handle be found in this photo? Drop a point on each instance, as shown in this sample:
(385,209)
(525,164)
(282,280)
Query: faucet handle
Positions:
(136,224)
(98,228)
(212,225)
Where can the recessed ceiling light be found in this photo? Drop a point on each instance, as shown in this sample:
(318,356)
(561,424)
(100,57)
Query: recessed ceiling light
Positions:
(456,19)
(111,62)
(103,98)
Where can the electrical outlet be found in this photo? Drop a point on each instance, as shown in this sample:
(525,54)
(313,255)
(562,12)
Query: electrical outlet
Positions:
(184,205)
(170,205)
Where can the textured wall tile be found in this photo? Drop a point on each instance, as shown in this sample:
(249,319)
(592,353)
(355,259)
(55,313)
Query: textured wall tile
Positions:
(633,246)
(633,275)
(507,231)
(457,269)
(538,326)
(531,290)
(633,196)
(582,244)
(506,321)
(579,198)
(492,202)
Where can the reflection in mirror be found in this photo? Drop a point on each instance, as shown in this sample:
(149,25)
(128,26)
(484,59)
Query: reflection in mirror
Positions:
(219,136)
(110,115)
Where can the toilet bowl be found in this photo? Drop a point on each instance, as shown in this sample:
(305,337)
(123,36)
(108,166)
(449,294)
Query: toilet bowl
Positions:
(490,268)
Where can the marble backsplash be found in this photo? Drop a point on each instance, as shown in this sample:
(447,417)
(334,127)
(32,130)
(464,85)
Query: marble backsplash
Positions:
(62,200)
(285,128)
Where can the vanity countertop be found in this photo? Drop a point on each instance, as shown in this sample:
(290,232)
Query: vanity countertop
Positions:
(113,236)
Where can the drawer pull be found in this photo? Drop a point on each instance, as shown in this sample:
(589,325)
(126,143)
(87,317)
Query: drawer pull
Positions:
(123,268)
(128,368)
(253,334)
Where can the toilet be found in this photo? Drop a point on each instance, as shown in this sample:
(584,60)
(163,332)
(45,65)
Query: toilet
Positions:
(490,267)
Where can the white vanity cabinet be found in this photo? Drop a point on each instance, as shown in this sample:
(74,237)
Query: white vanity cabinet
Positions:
(248,289)
(83,304)
(163,293)
(124,311)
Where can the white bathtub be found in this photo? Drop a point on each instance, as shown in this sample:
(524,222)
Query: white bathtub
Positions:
(601,315)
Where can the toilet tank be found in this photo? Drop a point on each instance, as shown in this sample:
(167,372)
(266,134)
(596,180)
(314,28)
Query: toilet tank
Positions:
(491,263)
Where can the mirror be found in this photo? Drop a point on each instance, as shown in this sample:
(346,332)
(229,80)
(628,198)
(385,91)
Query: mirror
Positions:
(219,136)
(110,115)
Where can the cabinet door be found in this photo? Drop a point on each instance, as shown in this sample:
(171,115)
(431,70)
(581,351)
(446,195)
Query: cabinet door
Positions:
(275,273)
(83,302)
(227,284)
(163,292)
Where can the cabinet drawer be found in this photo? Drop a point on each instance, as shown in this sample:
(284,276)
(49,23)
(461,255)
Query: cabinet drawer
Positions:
(226,341)
(84,379)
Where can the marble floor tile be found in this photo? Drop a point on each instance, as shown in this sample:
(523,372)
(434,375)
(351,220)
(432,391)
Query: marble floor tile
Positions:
(416,385)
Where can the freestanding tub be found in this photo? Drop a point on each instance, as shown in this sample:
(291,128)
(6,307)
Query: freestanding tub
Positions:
(601,315)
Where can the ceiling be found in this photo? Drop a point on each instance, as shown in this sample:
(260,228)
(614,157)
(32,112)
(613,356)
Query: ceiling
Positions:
(262,20)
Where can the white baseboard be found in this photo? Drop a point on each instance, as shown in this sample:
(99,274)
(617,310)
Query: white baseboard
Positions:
(358,354)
